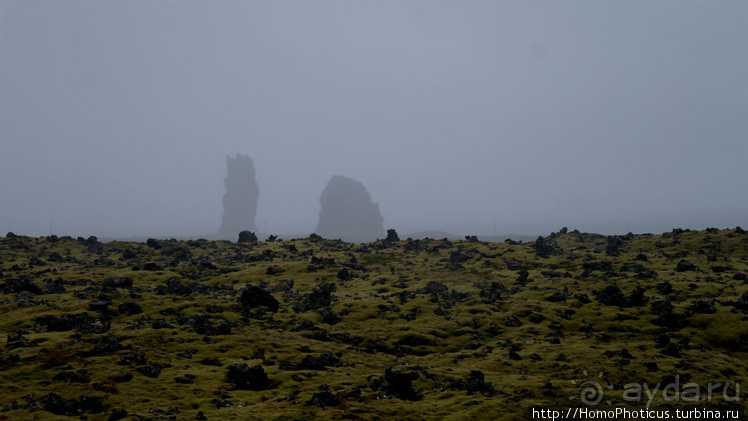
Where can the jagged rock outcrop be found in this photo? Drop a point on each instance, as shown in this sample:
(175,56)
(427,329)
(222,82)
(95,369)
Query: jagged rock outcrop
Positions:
(348,213)
(240,200)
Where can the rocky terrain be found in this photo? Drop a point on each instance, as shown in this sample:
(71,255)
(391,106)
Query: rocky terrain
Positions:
(398,328)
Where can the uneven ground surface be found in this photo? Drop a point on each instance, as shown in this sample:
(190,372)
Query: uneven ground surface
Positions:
(312,328)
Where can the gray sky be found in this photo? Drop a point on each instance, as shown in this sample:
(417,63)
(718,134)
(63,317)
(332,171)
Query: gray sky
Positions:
(115,117)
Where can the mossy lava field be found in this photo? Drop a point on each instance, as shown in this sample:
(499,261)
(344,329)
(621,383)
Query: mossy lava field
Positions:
(416,329)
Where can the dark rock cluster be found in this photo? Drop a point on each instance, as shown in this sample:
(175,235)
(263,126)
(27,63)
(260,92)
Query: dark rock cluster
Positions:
(248,378)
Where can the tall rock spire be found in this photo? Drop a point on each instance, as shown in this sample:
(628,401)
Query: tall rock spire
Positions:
(240,200)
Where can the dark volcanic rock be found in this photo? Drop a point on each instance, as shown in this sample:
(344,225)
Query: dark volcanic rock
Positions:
(319,363)
(161,323)
(72,377)
(105,345)
(254,296)
(610,296)
(668,318)
(398,384)
(20,285)
(149,266)
(118,414)
(175,287)
(118,282)
(542,247)
(7,360)
(324,398)
(240,200)
(475,384)
(615,242)
(248,378)
(56,286)
(151,371)
(247,237)
(320,297)
(664,288)
(742,303)
(129,308)
(123,377)
(348,212)
(685,266)
(602,266)
(210,361)
(53,403)
(203,325)
(636,299)
(704,307)
(82,322)
(133,358)
(99,305)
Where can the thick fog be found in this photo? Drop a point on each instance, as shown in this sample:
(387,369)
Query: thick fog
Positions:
(467,117)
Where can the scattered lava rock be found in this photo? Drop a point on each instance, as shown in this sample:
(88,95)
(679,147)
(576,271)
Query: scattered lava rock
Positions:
(254,296)
(324,398)
(475,384)
(319,363)
(543,248)
(105,345)
(211,361)
(53,403)
(20,285)
(152,371)
(118,282)
(613,248)
(248,378)
(704,307)
(99,305)
(203,325)
(636,299)
(742,303)
(321,296)
(610,296)
(66,322)
(686,266)
(130,308)
(667,318)
(175,287)
(602,266)
(133,358)
(398,384)
(247,237)
(72,377)
(392,236)
(123,377)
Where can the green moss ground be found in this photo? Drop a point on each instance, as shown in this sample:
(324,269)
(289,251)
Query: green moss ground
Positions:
(536,340)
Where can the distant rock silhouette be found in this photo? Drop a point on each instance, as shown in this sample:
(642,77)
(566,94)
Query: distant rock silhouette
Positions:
(348,212)
(240,200)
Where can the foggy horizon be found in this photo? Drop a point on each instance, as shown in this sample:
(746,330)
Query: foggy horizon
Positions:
(479,118)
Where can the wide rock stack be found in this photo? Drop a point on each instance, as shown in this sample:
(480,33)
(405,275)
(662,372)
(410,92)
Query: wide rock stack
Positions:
(348,213)
(240,200)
